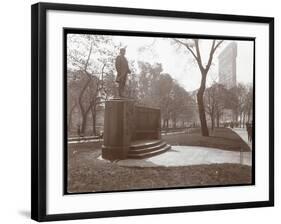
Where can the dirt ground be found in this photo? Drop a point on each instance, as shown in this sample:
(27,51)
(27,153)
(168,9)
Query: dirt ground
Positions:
(86,173)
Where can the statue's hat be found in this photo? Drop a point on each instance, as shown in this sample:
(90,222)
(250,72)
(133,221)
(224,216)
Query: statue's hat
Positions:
(123,48)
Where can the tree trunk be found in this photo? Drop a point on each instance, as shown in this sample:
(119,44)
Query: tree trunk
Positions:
(164,123)
(244,119)
(174,123)
(69,121)
(84,124)
(93,110)
(213,122)
(249,115)
(218,120)
(236,115)
(240,120)
(69,126)
(201,108)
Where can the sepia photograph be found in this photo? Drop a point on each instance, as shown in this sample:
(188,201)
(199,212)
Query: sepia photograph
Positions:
(153,111)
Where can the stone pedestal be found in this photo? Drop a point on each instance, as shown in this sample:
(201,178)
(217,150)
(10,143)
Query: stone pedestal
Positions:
(118,128)
(131,131)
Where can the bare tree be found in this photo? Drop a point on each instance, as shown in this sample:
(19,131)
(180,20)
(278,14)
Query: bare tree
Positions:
(92,58)
(249,103)
(215,101)
(210,104)
(161,90)
(72,96)
(237,99)
(192,46)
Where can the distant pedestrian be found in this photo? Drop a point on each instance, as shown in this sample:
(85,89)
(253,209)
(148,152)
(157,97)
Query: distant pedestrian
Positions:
(101,134)
(249,131)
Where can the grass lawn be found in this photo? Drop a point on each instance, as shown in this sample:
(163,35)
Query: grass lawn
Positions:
(86,173)
(222,138)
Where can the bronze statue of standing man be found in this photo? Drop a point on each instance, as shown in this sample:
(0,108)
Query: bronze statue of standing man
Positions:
(122,68)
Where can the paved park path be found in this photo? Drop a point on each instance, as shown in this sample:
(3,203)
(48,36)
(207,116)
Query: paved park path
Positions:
(190,155)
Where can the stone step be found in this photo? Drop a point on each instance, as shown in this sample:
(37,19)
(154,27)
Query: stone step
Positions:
(144,149)
(141,144)
(149,154)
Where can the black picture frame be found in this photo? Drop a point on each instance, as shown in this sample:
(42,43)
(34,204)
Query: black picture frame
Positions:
(39,110)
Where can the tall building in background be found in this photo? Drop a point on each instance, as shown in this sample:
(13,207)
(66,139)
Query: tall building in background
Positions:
(227,65)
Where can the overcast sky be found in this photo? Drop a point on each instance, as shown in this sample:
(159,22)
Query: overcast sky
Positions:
(180,65)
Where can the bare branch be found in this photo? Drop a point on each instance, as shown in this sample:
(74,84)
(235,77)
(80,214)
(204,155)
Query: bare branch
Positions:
(89,55)
(196,42)
(218,44)
(188,48)
(102,73)
(212,52)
